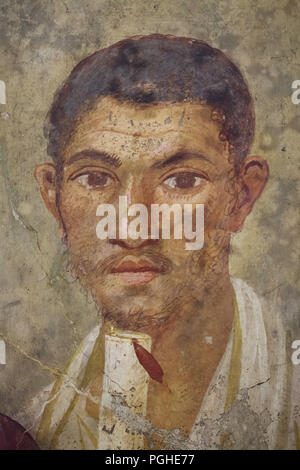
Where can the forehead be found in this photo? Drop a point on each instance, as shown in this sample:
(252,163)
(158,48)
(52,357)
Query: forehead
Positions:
(147,131)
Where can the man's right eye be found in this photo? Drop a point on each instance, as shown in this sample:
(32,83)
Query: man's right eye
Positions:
(94,180)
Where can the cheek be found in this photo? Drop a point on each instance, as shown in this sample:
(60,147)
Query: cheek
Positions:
(79,216)
(218,207)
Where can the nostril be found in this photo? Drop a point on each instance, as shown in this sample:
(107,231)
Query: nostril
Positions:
(132,244)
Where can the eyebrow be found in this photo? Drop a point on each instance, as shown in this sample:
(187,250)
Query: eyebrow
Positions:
(104,157)
(179,157)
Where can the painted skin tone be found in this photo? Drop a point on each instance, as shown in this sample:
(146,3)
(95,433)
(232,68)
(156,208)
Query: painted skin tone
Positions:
(157,153)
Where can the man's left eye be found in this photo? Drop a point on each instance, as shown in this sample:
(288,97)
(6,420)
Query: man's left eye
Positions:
(183,180)
(94,180)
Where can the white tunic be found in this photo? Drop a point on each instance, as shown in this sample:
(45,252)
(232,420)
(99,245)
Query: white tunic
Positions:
(259,414)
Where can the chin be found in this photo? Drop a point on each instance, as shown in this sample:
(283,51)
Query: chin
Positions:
(136,320)
(137,307)
(131,315)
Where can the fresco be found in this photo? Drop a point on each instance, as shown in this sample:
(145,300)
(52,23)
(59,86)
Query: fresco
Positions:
(150,223)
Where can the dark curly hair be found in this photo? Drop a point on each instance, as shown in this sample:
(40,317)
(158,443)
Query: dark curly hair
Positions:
(152,69)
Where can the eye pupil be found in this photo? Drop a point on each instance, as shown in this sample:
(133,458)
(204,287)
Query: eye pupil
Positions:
(94,180)
(185,180)
(97,179)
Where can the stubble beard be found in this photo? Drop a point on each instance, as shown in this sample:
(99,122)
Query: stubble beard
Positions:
(203,269)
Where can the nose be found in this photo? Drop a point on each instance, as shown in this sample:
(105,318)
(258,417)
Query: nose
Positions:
(135,193)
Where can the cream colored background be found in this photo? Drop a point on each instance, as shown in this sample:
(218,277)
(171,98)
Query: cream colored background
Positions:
(43,314)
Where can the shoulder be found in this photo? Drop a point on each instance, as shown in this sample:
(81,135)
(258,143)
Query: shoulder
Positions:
(34,410)
(258,312)
(284,375)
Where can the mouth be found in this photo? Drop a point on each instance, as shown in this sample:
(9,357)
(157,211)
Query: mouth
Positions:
(134,270)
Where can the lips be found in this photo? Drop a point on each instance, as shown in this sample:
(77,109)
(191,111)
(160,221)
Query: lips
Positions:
(137,270)
(141,266)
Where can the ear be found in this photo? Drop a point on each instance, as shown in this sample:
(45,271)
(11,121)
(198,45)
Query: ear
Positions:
(46,176)
(254,176)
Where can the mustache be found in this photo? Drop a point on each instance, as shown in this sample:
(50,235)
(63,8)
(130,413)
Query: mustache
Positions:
(159,261)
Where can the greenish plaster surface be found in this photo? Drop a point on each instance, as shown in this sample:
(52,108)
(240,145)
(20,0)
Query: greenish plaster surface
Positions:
(43,313)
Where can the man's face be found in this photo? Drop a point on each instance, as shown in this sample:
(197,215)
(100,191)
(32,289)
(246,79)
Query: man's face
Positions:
(153,154)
